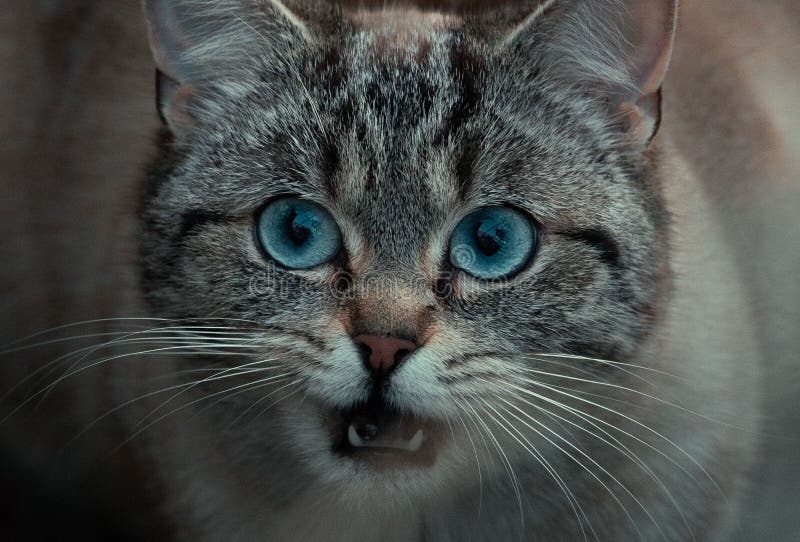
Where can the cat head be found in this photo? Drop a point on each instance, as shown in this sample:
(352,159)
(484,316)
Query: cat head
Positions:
(416,218)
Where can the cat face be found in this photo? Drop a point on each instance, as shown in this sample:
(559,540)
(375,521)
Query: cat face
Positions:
(403,153)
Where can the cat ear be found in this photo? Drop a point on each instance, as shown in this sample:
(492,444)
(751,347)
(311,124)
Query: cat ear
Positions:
(615,50)
(206,50)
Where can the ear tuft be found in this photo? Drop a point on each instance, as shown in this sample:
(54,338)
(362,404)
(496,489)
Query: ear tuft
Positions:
(205,49)
(617,50)
(174,103)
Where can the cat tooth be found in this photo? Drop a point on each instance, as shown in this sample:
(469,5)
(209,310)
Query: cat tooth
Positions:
(416,441)
(353,438)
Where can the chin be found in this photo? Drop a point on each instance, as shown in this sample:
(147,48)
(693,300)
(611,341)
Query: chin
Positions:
(373,450)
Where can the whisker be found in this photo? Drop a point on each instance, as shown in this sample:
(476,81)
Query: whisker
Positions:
(531,449)
(619,447)
(130,402)
(254,385)
(239,369)
(259,401)
(586,417)
(207,333)
(182,342)
(127,319)
(506,462)
(475,450)
(628,418)
(272,405)
(580,464)
(86,351)
(42,393)
(611,363)
(219,375)
(607,397)
(81,323)
(587,372)
(481,434)
(635,392)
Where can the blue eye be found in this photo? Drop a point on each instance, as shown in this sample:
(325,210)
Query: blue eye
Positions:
(298,234)
(493,242)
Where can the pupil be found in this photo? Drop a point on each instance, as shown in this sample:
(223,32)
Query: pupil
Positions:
(489,240)
(298,231)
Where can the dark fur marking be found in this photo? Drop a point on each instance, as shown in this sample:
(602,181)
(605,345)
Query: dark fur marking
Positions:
(600,240)
(369,184)
(463,358)
(466,377)
(331,68)
(330,166)
(465,167)
(197,218)
(465,70)
(309,338)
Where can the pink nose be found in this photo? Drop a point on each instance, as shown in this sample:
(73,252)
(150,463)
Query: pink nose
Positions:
(385,352)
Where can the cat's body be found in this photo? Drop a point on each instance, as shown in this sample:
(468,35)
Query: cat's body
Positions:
(724,147)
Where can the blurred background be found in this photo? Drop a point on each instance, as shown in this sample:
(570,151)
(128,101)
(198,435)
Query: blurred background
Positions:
(77,121)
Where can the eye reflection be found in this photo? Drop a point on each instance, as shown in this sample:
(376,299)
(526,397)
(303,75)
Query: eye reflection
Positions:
(298,234)
(493,242)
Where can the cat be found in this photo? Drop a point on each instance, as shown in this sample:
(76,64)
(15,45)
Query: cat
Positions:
(440,275)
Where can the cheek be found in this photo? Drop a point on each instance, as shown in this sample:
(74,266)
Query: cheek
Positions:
(429,383)
(417,386)
(503,320)
(341,379)
(566,297)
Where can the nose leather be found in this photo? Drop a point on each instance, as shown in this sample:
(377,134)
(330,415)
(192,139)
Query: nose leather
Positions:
(384,352)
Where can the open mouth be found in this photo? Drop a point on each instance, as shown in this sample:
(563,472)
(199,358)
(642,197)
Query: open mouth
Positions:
(382,437)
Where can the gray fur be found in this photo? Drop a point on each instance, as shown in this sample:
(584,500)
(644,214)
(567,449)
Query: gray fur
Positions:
(400,136)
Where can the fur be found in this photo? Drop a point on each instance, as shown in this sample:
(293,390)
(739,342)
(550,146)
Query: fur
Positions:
(641,262)
(521,120)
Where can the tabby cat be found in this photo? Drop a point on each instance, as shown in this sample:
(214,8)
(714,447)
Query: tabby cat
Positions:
(438,275)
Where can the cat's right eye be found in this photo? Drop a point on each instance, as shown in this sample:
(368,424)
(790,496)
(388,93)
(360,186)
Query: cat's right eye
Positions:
(297,233)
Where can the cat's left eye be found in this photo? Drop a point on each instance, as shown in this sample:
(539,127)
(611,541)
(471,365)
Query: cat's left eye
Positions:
(493,242)
(298,234)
